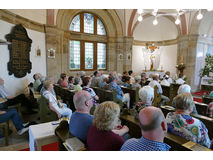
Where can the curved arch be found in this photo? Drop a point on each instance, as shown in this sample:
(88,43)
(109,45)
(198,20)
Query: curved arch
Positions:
(194,29)
(131,22)
(109,18)
(183,24)
(172,19)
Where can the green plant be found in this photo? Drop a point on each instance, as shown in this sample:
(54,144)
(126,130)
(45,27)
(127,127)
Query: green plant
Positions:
(208,66)
(180,66)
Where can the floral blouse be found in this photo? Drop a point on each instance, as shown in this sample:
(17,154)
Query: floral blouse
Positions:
(189,128)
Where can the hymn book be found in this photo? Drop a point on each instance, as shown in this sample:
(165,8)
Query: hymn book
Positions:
(74,144)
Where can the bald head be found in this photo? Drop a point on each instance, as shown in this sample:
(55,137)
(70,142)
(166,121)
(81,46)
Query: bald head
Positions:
(81,100)
(150,118)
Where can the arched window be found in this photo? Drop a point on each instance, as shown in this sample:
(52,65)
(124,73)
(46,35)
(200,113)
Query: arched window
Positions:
(88,53)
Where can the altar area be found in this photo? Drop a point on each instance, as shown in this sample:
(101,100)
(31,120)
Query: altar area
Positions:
(161,73)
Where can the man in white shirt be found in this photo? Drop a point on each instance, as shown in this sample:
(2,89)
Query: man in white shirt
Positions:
(165,81)
(180,79)
(169,79)
(154,83)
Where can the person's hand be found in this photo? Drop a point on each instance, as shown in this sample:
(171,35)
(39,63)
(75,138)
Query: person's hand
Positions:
(2,112)
(125,128)
(59,115)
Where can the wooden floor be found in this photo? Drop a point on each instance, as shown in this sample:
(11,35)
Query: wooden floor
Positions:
(17,142)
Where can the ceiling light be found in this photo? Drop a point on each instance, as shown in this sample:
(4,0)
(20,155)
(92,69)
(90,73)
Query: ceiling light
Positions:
(155,22)
(140,18)
(199,16)
(155,10)
(209,10)
(177,21)
(140,11)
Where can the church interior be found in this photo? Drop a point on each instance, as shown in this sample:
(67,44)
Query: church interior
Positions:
(132,63)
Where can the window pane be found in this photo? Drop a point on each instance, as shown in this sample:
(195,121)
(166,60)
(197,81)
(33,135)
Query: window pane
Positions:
(88,23)
(100,29)
(88,55)
(75,55)
(75,24)
(101,55)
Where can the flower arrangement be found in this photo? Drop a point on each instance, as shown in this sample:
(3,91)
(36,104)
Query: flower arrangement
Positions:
(180,66)
(208,65)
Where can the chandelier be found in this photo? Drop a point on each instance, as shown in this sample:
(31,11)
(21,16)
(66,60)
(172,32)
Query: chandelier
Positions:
(175,13)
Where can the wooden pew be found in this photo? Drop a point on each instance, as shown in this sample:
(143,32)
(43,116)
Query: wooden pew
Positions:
(207,100)
(103,94)
(201,108)
(177,143)
(134,95)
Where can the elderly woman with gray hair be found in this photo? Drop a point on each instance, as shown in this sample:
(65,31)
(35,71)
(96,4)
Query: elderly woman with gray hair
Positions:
(182,124)
(77,83)
(185,88)
(101,135)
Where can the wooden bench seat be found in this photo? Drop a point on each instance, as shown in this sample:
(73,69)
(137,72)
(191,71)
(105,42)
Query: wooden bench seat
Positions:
(177,143)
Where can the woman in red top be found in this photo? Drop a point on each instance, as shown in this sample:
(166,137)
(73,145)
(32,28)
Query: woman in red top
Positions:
(100,136)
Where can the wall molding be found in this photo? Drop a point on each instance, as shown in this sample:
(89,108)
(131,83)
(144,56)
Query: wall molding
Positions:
(158,43)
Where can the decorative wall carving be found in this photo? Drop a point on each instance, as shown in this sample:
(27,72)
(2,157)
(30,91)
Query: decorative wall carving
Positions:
(19,63)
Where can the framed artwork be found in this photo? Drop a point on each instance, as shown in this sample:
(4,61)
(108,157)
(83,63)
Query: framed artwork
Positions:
(120,56)
(38,52)
(51,53)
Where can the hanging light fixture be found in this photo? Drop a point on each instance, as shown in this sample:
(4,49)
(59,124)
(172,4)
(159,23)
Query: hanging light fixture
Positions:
(199,16)
(140,11)
(155,22)
(140,18)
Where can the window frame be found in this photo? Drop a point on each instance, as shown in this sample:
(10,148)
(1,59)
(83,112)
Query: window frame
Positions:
(82,43)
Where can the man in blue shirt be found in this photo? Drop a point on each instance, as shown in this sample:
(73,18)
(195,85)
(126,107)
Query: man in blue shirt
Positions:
(81,120)
(153,127)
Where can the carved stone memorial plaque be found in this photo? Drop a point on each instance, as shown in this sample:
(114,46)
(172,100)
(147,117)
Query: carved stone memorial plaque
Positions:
(20,47)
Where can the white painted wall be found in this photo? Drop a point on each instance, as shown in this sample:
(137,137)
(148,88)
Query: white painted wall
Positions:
(37,15)
(168,59)
(13,84)
(146,31)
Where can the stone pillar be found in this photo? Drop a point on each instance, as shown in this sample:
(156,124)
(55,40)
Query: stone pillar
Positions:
(191,51)
(127,47)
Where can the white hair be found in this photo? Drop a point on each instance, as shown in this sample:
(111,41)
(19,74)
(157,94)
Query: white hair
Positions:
(185,88)
(146,94)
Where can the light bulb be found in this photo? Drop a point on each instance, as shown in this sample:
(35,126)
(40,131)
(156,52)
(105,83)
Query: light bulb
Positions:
(199,16)
(140,11)
(177,21)
(155,22)
(140,18)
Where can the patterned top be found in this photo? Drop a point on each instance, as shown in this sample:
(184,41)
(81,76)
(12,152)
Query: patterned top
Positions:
(189,128)
(144,144)
(113,86)
(3,93)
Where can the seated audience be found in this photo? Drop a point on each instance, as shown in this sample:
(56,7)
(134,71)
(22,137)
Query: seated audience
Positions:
(42,79)
(49,78)
(185,88)
(146,94)
(143,79)
(209,111)
(154,83)
(180,79)
(150,78)
(77,83)
(37,81)
(126,82)
(120,95)
(86,87)
(100,136)
(104,84)
(153,129)
(211,94)
(81,120)
(96,81)
(169,79)
(10,100)
(82,74)
(63,81)
(55,105)
(125,74)
(182,124)
(60,79)
(71,81)
(119,82)
(165,81)
(12,114)
(137,82)
(131,75)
